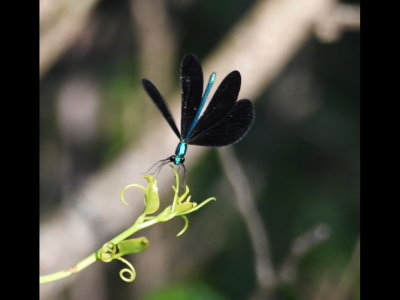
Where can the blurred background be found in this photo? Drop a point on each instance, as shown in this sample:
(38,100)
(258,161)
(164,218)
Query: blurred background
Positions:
(286,221)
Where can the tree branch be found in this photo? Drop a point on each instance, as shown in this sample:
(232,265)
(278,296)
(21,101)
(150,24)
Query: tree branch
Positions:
(264,270)
(61,23)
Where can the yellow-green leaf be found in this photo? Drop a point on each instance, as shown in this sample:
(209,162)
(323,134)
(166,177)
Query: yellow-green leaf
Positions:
(184,207)
(151,197)
(132,246)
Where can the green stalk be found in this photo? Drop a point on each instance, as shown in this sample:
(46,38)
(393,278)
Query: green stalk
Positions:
(65,273)
(181,205)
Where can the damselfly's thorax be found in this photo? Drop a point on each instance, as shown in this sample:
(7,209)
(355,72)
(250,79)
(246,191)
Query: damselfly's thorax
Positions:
(180,152)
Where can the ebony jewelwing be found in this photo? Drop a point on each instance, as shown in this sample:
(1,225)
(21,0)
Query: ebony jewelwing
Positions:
(225,120)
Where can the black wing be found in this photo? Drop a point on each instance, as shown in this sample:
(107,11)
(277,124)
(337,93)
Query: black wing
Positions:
(160,103)
(231,129)
(221,103)
(192,90)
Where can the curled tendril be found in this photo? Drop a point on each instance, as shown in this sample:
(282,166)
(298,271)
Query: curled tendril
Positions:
(185,226)
(108,252)
(128,187)
(111,251)
(130,270)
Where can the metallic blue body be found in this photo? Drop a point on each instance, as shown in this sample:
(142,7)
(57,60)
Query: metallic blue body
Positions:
(180,153)
(202,102)
(181,149)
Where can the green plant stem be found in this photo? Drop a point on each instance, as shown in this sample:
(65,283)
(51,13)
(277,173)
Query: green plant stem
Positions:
(131,230)
(65,273)
(180,207)
(93,257)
